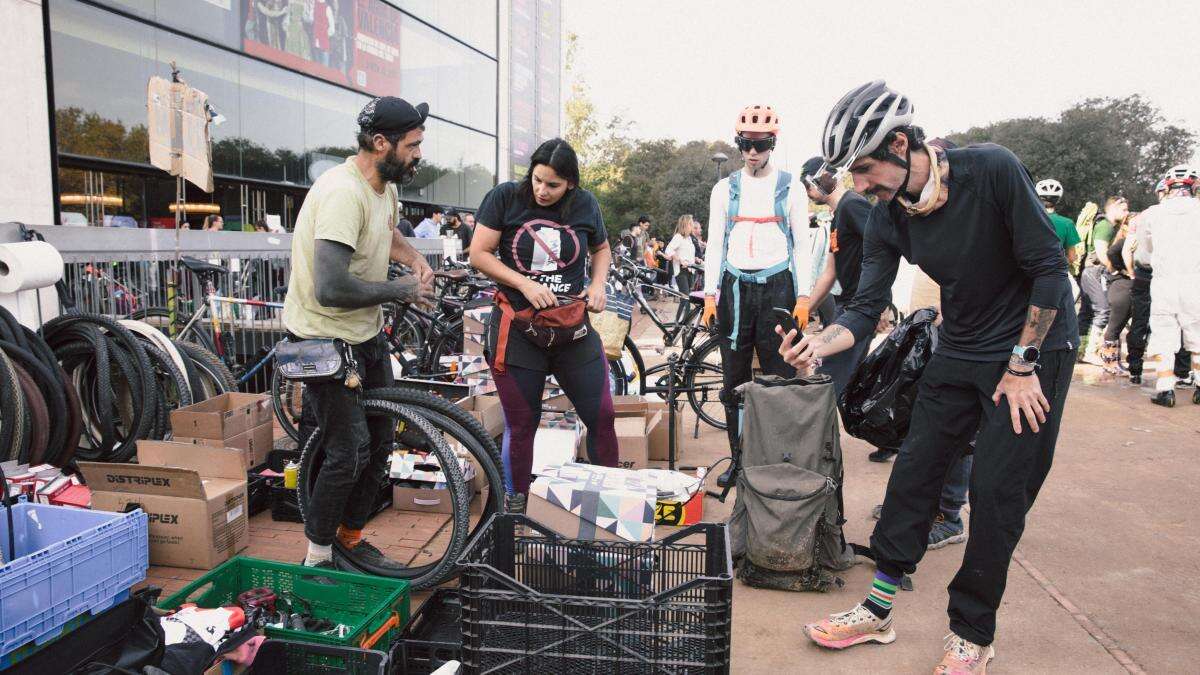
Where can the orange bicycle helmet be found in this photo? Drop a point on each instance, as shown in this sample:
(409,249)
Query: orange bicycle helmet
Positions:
(760,118)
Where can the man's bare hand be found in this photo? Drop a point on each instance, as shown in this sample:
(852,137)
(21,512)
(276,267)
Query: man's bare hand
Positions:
(422,270)
(799,355)
(410,289)
(538,295)
(1024,396)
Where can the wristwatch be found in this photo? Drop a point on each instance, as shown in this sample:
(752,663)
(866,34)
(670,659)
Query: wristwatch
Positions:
(1028,354)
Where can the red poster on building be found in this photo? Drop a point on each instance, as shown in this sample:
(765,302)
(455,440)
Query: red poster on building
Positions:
(349,42)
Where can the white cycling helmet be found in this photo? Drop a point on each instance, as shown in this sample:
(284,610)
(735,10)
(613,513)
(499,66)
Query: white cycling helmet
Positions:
(1049,188)
(860,121)
(1181,175)
(1161,185)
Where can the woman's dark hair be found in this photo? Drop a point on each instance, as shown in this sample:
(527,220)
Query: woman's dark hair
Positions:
(558,155)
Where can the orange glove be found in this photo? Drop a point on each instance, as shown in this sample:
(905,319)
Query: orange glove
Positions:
(800,312)
(710,311)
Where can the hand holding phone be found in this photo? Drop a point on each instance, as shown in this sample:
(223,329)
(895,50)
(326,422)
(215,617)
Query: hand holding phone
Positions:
(786,321)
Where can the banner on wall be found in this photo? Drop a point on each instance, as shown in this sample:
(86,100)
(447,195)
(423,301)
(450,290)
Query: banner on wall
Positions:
(349,42)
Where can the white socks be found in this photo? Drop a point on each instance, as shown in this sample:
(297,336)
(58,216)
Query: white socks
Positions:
(318,554)
(1165,382)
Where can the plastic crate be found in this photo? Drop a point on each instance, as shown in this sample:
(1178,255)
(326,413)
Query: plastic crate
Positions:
(547,604)
(284,657)
(285,503)
(375,608)
(258,489)
(432,637)
(69,562)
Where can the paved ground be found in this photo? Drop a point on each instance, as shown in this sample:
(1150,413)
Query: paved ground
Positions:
(1098,586)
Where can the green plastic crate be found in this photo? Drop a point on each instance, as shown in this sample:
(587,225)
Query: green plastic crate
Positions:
(376,608)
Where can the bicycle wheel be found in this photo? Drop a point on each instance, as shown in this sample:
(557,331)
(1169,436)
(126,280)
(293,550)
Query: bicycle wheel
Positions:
(287,401)
(449,343)
(417,432)
(703,372)
(635,373)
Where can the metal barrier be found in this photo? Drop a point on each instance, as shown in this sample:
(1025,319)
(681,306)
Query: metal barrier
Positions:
(120,272)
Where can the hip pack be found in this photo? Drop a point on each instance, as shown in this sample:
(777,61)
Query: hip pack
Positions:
(564,323)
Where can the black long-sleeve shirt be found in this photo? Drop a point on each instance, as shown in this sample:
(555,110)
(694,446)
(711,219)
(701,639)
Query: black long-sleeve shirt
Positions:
(991,248)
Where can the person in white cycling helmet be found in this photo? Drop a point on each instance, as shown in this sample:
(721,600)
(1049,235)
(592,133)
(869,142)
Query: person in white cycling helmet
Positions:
(1050,191)
(970,218)
(1168,236)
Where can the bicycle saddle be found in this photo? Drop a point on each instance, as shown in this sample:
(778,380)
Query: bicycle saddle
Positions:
(201,267)
(452,275)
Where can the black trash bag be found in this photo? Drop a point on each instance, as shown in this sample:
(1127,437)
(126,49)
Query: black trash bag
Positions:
(877,404)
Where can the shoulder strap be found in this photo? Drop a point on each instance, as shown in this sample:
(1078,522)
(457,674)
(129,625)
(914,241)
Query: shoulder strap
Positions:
(735,199)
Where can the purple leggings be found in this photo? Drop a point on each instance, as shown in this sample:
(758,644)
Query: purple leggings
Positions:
(520,391)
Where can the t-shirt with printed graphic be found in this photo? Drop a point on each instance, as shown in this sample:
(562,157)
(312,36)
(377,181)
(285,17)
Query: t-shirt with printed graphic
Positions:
(549,245)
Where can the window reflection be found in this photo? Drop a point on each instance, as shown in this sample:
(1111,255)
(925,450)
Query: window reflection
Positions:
(272,141)
(472,21)
(458,83)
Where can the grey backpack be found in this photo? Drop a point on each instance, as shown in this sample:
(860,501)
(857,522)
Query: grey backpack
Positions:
(786,526)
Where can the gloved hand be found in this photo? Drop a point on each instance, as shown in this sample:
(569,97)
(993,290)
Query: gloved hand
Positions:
(800,312)
(710,311)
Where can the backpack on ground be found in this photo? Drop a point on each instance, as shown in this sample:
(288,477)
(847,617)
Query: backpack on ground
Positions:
(786,526)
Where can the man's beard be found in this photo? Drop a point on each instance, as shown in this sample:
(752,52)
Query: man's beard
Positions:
(392,170)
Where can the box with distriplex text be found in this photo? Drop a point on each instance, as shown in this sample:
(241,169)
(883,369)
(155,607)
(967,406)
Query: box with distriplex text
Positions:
(222,417)
(195,497)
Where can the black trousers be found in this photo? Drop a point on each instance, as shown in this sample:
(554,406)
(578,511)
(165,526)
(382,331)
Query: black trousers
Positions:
(954,402)
(1139,330)
(357,449)
(1120,304)
(1093,301)
(756,333)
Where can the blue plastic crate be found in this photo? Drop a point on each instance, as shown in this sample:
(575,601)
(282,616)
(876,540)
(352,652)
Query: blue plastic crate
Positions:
(69,562)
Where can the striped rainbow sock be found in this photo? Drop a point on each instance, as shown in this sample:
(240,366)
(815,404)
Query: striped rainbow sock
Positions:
(883,592)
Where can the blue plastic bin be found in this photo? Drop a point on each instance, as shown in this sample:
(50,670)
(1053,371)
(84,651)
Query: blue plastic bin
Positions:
(69,561)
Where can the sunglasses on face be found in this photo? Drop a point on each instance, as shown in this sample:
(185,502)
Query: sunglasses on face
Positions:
(760,144)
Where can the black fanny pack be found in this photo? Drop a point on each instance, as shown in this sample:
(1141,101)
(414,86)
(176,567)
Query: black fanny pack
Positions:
(312,361)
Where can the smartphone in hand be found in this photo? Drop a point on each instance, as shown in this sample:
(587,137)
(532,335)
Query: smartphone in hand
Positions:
(786,320)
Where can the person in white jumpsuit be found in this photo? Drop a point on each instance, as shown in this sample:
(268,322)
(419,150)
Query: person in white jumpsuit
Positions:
(1168,236)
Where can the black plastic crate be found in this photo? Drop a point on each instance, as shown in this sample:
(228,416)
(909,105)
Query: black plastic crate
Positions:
(543,603)
(258,489)
(285,657)
(432,637)
(285,503)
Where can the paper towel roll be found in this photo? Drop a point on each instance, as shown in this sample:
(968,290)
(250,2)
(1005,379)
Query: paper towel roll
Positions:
(29,265)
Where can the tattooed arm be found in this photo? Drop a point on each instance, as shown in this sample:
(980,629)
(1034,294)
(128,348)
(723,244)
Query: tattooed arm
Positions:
(1024,392)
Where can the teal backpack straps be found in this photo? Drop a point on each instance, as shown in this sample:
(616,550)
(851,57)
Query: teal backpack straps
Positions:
(735,200)
(783,187)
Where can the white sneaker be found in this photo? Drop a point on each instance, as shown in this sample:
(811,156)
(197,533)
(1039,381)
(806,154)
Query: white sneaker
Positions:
(964,657)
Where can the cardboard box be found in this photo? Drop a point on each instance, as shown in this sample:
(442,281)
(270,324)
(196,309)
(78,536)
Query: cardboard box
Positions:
(635,424)
(222,417)
(254,444)
(409,497)
(487,410)
(553,446)
(587,502)
(195,497)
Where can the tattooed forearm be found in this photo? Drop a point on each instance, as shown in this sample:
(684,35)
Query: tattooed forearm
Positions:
(1037,324)
(830,334)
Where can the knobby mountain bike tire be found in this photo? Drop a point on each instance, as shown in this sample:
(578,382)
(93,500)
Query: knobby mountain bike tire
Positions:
(38,417)
(11,417)
(215,378)
(51,391)
(423,576)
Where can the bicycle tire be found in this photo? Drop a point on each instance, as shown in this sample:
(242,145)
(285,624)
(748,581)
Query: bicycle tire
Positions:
(91,347)
(421,577)
(9,411)
(214,375)
(169,377)
(699,363)
(155,337)
(286,396)
(47,382)
(638,364)
(38,416)
(104,406)
(449,343)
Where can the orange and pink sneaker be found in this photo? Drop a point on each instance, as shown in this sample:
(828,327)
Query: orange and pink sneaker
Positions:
(964,657)
(851,628)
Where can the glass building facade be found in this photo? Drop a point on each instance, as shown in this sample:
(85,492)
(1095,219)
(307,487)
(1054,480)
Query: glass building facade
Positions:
(288,77)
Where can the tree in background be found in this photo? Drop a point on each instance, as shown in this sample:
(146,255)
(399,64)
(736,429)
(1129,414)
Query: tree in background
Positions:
(1096,148)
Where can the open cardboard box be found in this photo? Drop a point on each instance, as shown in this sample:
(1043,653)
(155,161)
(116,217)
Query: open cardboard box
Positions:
(194,495)
(254,444)
(222,417)
(487,410)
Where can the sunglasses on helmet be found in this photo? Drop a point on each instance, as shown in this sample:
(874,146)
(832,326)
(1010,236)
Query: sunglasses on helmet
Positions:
(760,144)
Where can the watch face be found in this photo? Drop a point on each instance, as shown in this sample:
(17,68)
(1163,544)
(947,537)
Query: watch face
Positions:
(1031,354)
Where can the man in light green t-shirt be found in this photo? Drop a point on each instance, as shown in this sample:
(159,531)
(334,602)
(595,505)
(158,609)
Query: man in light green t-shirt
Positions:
(1050,191)
(344,238)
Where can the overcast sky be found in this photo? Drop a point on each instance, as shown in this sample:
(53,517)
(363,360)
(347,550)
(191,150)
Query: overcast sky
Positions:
(684,69)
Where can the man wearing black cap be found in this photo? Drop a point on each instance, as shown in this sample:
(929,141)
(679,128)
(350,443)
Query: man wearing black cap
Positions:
(344,238)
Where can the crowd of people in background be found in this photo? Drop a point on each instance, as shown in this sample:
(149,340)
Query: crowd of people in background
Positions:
(1113,254)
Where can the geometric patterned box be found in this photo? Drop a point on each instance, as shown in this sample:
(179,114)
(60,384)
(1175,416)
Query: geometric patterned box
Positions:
(613,500)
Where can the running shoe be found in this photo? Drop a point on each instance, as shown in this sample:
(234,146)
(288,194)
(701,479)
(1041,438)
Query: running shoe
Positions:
(881,455)
(514,503)
(945,532)
(365,552)
(851,628)
(1186,382)
(1164,398)
(964,658)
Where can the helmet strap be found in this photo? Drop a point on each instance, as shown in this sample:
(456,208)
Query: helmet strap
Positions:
(906,164)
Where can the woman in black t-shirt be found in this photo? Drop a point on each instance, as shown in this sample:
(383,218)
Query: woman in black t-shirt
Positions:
(534,239)
(1120,301)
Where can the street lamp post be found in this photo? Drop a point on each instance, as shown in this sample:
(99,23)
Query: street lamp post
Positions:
(719,159)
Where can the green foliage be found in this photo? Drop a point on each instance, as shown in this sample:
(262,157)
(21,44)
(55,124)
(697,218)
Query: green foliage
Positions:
(1096,148)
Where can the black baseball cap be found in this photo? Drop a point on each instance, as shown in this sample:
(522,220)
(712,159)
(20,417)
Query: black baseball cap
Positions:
(391,115)
(811,167)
